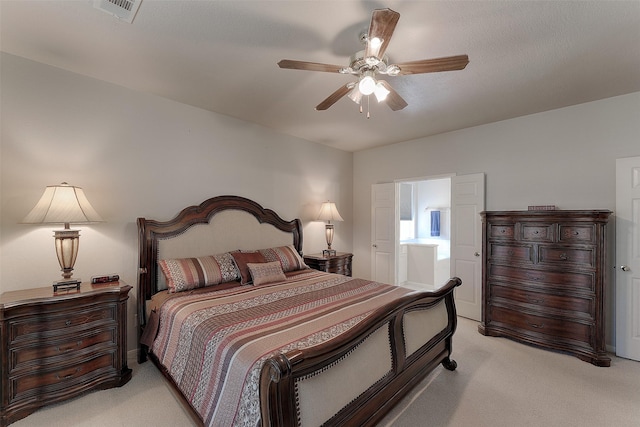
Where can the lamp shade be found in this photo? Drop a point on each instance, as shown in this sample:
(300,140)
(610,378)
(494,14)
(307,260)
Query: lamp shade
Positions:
(329,212)
(62,204)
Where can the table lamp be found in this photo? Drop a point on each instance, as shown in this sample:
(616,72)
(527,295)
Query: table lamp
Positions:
(328,213)
(64,204)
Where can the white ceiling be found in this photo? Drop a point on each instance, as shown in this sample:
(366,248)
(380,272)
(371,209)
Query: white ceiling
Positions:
(525,57)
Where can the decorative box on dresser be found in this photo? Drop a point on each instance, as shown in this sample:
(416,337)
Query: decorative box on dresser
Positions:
(339,263)
(57,345)
(544,279)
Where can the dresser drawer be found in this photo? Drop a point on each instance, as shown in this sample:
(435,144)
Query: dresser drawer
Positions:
(511,252)
(572,305)
(51,325)
(544,278)
(54,351)
(577,233)
(583,257)
(70,376)
(536,232)
(502,231)
(553,328)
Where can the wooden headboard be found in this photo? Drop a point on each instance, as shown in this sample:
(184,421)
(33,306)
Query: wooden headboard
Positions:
(217,225)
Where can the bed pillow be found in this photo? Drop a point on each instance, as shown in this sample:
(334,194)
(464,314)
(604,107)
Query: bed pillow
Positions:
(190,273)
(266,272)
(241,259)
(289,258)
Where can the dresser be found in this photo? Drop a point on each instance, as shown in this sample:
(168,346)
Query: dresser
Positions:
(57,345)
(339,263)
(544,278)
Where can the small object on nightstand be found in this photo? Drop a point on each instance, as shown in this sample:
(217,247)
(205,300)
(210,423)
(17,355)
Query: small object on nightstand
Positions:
(107,278)
(340,263)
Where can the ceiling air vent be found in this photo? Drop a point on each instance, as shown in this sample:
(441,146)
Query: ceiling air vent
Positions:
(121,9)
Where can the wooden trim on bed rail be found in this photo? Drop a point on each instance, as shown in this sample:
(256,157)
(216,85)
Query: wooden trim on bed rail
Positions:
(150,231)
(277,382)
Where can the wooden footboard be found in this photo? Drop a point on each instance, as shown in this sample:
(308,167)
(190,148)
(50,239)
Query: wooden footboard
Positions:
(409,340)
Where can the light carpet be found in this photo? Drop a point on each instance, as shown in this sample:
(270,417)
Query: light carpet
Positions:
(498,383)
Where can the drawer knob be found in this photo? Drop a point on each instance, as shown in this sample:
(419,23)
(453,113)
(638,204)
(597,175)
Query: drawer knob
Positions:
(70,347)
(563,256)
(68,376)
(536,301)
(68,322)
(537,325)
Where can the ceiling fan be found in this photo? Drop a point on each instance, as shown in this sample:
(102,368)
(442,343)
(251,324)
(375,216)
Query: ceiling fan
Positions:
(368,63)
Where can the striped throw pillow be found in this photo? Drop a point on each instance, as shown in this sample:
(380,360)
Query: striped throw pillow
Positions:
(190,273)
(289,258)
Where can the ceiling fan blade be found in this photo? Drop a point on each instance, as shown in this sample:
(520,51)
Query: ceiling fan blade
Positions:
(383,23)
(334,97)
(309,66)
(449,63)
(394,100)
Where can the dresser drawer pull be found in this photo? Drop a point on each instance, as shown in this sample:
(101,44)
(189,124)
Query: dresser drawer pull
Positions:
(68,322)
(536,301)
(68,376)
(536,325)
(532,277)
(563,256)
(69,347)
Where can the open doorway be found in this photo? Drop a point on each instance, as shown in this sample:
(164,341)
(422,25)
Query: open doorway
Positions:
(424,238)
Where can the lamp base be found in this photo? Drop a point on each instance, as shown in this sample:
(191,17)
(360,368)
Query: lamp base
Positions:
(329,252)
(67,284)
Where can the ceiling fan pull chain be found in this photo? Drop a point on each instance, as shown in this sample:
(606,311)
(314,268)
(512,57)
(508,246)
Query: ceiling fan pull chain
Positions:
(368,116)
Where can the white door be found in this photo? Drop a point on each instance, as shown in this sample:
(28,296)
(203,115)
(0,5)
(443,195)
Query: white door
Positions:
(627,269)
(383,233)
(467,201)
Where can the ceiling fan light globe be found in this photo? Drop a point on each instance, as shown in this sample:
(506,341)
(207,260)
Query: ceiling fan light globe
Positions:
(367,85)
(381,92)
(355,95)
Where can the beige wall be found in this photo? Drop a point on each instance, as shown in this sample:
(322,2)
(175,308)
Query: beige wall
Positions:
(139,155)
(564,157)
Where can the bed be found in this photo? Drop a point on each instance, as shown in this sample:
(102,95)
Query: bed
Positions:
(247,334)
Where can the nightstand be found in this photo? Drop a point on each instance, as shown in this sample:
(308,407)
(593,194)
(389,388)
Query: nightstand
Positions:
(339,263)
(57,345)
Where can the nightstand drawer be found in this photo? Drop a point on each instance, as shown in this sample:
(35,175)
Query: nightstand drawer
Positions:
(338,264)
(55,351)
(63,377)
(36,328)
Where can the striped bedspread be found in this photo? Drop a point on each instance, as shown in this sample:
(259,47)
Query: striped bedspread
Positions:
(214,343)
